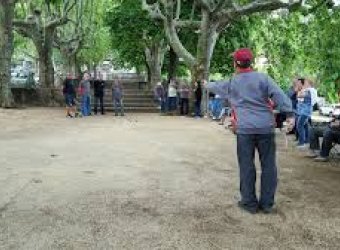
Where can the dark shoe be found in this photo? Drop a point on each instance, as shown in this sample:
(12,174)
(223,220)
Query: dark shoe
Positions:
(266,210)
(251,210)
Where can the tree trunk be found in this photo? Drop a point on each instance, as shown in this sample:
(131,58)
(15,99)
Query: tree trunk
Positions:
(173,63)
(6,49)
(154,55)
(95,73)
(205,46)
(148,73)
(46,70)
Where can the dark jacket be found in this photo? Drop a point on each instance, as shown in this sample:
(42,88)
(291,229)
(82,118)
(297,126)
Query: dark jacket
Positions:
(198,93)
(99,86)
(293,97)
(68,88)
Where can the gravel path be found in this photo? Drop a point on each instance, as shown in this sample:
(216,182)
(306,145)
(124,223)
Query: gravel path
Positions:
(149,182)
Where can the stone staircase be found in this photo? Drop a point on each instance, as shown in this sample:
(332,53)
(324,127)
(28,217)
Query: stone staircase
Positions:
(137,98)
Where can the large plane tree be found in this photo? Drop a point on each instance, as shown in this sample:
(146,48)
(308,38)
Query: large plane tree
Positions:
(208,19)
(6,49)
(40,23)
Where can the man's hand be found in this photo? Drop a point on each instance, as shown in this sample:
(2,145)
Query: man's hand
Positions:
(290,123)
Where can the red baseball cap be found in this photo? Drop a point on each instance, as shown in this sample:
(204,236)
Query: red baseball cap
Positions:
(243,55)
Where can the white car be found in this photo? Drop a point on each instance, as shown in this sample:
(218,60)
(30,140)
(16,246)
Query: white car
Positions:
(336,111)
(329,109)
(326,110)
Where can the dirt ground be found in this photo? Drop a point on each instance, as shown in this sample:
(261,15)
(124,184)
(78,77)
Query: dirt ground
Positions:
(149,182)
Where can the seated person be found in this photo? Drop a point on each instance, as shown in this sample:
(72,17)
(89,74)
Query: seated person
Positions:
(211,104)
(225,112)
(330,136)
(217,107)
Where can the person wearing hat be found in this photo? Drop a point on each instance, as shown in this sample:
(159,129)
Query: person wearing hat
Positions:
(250,94)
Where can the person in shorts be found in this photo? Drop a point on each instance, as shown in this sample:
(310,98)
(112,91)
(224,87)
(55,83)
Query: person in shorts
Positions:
(69,95)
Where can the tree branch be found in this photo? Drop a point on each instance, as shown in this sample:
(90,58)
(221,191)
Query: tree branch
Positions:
(205,4)
(153,10)
(23,24)
(192,14)
(227,14)
(187,24)
(170,28)
(266,5)
(178,9)
(64,18)
(221,4)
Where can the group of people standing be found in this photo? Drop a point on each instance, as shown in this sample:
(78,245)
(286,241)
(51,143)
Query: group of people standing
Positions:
(80,96)
(304,99)
(178,94)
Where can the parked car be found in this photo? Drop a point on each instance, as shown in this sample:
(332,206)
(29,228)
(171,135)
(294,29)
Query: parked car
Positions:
(329,109)
(336,111)
(326,110)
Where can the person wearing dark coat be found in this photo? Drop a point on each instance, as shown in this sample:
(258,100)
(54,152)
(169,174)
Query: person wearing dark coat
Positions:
(99,87)
(198,98)
(69,93)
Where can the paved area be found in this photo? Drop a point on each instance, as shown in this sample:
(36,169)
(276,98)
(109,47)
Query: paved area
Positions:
(149,182)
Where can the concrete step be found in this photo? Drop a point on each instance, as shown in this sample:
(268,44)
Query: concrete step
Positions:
(109,91)
(132,97)
(136,99)
(130,104)
(129,92)
(136,109)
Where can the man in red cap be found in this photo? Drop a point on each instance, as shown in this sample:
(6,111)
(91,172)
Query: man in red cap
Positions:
(250,94)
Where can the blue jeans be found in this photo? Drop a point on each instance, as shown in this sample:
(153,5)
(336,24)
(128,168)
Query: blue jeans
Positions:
(118,104)
(162,103)
(210,106)
(172,102)
(265,145)
(217,108)
(303,129)
(86,105)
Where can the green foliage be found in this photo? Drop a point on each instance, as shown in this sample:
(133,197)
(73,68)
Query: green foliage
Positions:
(131,30)
(234,37)
(96,47)
(23,47)
(295,44)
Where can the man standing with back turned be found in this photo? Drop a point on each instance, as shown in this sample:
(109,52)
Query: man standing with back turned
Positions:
(250,94)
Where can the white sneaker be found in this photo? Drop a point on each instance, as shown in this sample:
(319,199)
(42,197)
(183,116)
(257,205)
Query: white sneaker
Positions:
(312,154)
(302,147)
(321,159)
